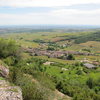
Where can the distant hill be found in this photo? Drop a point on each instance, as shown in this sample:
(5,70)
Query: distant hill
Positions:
(46,28)
(88,37)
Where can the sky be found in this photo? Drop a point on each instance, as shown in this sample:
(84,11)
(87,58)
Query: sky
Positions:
(53,12)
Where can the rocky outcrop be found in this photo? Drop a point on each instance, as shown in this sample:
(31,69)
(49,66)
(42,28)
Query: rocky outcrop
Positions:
(4,71)
(8,92)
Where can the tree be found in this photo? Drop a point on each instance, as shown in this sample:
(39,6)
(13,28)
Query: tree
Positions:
(9,48)
(70,57)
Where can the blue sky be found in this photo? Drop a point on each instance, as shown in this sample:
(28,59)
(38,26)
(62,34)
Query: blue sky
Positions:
(29,12)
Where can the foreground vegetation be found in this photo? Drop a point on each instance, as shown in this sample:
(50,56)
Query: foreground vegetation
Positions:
(39,80)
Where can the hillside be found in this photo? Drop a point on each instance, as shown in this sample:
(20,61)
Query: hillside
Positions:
(52,65)
(95,36)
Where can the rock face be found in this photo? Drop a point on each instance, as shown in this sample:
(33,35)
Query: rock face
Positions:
(8,92)
(4,71)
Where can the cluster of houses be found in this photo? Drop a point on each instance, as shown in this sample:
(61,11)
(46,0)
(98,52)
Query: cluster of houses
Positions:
(60,54)
(53,54)
(90,66)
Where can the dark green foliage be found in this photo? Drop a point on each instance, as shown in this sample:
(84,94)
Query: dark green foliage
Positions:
(35,91)
(76,90)
(38,41)
(50,48)
(70,57)
(88,50)
(31,89)
(39,74)
(9,60)
(8,48)
(79,72)
(90,82)
(9,51)
(88,37)
(13,74)
(94,84)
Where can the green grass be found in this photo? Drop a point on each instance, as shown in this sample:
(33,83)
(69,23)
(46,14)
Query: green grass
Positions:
(90,58)
(26,39)
(56,60)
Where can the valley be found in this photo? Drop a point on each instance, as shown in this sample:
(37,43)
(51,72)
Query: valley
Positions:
(52,64)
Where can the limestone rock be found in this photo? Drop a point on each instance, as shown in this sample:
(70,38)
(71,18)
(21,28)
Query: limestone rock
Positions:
(8,92)
(4,71)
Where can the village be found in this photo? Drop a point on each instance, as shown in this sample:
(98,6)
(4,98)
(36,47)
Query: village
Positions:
(54,53)
(64,56)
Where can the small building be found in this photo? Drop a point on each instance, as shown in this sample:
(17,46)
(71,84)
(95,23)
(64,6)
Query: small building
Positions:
(90,66)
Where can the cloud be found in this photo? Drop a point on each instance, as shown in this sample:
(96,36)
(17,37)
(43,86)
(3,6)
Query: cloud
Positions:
(61,16)
(76,12)
(45,3)
(62,12)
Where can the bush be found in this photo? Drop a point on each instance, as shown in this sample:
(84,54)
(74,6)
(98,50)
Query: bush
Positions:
(90,82)
(79,72)
(9,61)
(8,48)
(31,90)
(9,51)
(50,48)
(70,57)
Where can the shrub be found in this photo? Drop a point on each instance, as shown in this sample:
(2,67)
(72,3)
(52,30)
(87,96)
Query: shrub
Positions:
(90,82)
(79,72)
(9,60)
(70,57)
(8,48)
(10,51)
(30,90)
